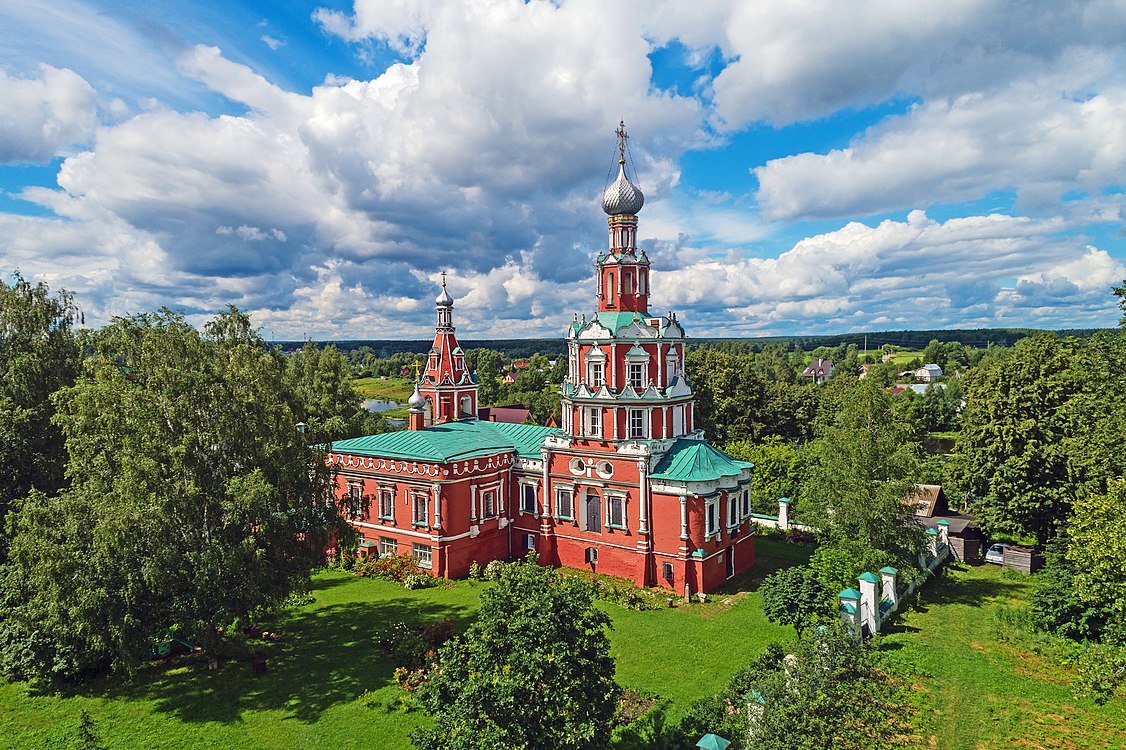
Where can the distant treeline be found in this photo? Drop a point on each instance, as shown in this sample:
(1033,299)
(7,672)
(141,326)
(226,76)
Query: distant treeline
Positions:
(554,347)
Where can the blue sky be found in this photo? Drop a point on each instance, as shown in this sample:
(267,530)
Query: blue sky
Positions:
(810,167)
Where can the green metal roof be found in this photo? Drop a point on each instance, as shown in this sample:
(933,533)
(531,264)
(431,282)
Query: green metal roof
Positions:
(450,441)
(849,594)
(696,461)
(888,569)
(526,438)
(616,321)
(869,577)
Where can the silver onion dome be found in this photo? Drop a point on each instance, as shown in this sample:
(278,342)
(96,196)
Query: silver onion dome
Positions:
(622,198)
(417,401)
(444,299)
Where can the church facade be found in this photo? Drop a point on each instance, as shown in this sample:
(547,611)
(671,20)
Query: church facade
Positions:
(625,486)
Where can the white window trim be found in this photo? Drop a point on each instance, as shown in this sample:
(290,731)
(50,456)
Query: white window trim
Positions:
(535,499)
(416,548)
(390,495)
(645,419)
(593,414)
(570,491)
(644,380)
(425,498)
(394,546)
(608,499)
(709,505)
(732,511)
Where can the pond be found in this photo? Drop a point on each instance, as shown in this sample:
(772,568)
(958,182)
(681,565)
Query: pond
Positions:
(375,405)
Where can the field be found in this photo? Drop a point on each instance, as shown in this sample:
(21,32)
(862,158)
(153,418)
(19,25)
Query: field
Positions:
(329,685)
(392,389)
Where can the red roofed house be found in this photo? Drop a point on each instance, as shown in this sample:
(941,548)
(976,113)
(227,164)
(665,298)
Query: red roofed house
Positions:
(625,485)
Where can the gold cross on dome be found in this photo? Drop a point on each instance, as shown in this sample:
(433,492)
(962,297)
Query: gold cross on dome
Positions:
(622,137)
(443,279)
(417,367)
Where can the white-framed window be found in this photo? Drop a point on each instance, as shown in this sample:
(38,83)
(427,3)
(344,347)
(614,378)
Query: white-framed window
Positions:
(564,503)
(421,555)
(355,498)
(711,517)
(527,498)
(595,373)
(667,572)
(745,502)
(386,503)
(627,283)
(420,507)
(635,372)
(615,511)
(637,426)
(732,511)
(594,421)
(529,541)
(388,547)
(489,503)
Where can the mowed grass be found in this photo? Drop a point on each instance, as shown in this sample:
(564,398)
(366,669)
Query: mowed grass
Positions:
(983,693)
(329,684)
(392,389)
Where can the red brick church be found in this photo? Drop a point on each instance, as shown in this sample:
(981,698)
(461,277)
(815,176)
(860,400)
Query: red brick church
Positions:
(624,486)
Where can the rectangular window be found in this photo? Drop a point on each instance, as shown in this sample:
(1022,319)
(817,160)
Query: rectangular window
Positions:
(636,375)
(595,372)
(616,512)
(386,504)
(564,504)
(666,571)
(355,499)
(419,506)
(712,518)
(627,283)
(529,541)
(489,504)
(594,421)
(421,555)
(388,547)
(732,511)
(637,423)
(527,498)
(746,500)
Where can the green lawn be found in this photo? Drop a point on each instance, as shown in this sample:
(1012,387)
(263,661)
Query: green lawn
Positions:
(982,693)
(976,691)
(313,694)
(392,389)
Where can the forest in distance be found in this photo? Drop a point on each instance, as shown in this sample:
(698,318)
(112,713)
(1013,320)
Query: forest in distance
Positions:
(555,346)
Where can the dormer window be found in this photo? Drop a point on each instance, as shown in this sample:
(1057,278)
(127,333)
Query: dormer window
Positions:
(594,374)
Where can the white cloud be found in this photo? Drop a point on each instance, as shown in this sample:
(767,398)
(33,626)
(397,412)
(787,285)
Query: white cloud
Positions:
(1032,137)
(271,42)
(917,273)
(44,115)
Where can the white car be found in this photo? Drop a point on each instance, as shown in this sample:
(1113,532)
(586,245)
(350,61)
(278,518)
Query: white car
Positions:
(996,553)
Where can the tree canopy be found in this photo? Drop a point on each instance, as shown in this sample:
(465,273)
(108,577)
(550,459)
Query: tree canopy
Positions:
(39,354)
(795,596)
(193,500)
(533,672)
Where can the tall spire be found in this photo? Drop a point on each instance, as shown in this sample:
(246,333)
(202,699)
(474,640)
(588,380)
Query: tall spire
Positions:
(449,390)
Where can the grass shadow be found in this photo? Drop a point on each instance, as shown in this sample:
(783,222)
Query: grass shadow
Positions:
(329,655)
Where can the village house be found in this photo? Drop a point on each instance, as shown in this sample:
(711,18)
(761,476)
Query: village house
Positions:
(819,370)
(625,485)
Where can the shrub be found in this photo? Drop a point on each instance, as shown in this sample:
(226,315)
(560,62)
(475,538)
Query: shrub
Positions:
(475,571)
(493,570)
(418,581)
(396,568)
(620,590)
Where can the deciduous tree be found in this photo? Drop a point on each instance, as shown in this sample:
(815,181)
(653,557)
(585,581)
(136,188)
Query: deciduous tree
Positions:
(794,596)
(38,356)
(534,670)
(193,501)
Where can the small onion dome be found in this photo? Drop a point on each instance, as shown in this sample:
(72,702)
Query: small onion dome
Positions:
(623,197)
(444,299)
(416,402)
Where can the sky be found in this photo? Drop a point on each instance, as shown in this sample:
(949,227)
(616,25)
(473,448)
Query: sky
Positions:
(809,167)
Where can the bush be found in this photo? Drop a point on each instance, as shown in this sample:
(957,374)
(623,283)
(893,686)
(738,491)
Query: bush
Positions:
(418,581)
(620,590)
(396,568)
(494,569)
(475,571)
